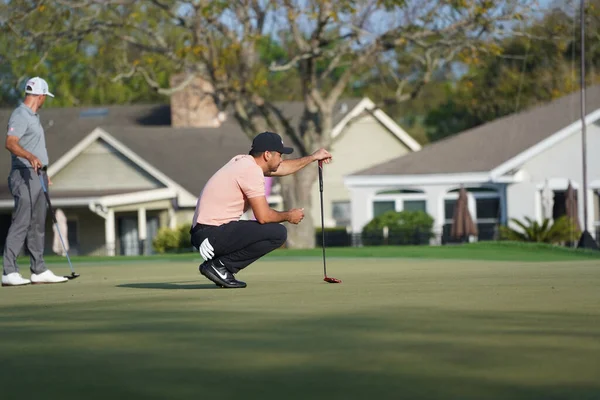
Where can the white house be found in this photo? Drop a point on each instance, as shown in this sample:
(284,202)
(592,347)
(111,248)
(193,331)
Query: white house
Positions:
(504,164)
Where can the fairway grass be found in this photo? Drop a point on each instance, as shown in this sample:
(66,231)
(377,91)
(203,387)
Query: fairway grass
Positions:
(394,329)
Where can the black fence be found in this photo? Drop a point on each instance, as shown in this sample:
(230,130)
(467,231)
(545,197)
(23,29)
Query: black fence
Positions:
(341,238)
(486,232)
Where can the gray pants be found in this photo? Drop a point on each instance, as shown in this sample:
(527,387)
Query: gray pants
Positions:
(28,220)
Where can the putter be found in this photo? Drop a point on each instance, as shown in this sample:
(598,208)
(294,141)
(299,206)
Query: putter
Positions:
(73,274)
(326,278)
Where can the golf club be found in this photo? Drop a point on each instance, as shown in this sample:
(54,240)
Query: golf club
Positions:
(326,279)
(73,274)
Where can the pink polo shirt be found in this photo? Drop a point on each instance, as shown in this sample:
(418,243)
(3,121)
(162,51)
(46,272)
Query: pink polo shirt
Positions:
(225,196)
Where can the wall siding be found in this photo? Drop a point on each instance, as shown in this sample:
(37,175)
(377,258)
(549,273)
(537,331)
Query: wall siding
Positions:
(101,167)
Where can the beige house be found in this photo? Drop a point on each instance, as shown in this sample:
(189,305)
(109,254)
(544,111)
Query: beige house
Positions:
(364,137)
(119,173)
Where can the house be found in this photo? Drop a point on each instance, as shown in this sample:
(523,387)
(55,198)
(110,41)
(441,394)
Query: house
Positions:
(505,164)
(119,173)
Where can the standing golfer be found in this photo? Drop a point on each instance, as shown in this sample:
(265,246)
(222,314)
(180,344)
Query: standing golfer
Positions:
(228,244)
(25,140)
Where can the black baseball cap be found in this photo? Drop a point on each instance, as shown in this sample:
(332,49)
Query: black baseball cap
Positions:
(270,141)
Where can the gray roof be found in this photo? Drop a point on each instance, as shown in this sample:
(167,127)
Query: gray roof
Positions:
(483,148)
(189,156)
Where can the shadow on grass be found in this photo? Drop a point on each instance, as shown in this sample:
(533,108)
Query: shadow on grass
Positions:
(169,286)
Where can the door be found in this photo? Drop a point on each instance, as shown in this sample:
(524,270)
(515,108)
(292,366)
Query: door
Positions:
(128,236)
(151,231)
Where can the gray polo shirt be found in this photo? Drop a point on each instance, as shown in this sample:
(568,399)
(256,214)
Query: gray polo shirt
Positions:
(26,125)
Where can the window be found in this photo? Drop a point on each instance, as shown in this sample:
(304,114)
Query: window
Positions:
(488,215)
(73,237)
(380,207)
(488,208)
(415,205)
(341,212)
(560,208)
(449,210)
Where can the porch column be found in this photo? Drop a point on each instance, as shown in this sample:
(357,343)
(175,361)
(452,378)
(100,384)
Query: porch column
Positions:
(361,211)
(590,208)
(109,233)
(142,229)
(435,208)
(172,218)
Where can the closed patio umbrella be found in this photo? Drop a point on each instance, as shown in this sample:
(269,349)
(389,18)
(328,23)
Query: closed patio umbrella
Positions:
(462,223)
(547,201)
(61,221)
(572,209)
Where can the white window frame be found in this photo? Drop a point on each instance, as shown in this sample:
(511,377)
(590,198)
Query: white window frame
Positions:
(398,199)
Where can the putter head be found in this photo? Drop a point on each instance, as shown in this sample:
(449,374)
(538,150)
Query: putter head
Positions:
(72,276)
(331,280)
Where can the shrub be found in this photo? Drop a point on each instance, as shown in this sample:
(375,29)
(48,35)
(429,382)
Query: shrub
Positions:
(405,227)
(562,230)
(334,237)
(173,240)
(185,241)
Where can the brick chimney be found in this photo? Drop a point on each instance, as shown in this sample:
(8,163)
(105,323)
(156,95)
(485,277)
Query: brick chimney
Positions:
(193,107)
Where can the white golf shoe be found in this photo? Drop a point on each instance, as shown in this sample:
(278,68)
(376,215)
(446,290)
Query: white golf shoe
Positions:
(47,277)
(14,279)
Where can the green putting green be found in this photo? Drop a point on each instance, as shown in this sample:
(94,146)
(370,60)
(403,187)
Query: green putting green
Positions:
(394,329)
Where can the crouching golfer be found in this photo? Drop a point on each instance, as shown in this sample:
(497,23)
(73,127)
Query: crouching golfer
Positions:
(227,244)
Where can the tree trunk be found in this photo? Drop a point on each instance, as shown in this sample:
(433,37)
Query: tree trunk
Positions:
(296,192)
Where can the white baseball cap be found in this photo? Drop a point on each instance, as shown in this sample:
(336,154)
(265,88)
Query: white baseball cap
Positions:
(37,86)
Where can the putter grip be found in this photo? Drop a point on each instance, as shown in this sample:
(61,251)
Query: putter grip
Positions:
(321,176)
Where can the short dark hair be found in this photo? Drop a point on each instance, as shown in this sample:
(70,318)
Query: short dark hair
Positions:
(255,153)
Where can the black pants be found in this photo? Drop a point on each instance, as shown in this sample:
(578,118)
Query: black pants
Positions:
(238,244)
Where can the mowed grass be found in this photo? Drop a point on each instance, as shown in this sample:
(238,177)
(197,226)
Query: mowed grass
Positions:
(394,329)
(484,251)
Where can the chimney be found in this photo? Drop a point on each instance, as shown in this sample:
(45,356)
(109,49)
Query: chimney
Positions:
(193,107)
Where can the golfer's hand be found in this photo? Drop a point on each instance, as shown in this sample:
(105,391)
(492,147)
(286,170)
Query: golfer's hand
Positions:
(35,163)
(322,155)
(296,215)
(206,250)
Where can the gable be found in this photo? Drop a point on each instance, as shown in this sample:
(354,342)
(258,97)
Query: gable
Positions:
(367,107)
(101,167)
(375,142)
(563,159)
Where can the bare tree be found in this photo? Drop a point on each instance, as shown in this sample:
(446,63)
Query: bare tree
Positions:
(217,41)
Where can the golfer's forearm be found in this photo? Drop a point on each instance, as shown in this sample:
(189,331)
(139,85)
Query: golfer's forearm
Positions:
(17,150)
(273,216)
(288,167)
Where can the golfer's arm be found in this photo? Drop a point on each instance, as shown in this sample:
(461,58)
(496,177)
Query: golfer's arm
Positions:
(288,167)
(264,214)
(12,145)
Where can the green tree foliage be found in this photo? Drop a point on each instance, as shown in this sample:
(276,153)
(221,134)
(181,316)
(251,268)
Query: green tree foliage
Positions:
(80,72)
(539,65)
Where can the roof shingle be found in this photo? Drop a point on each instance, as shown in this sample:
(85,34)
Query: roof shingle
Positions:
(189,156)
(487,146)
